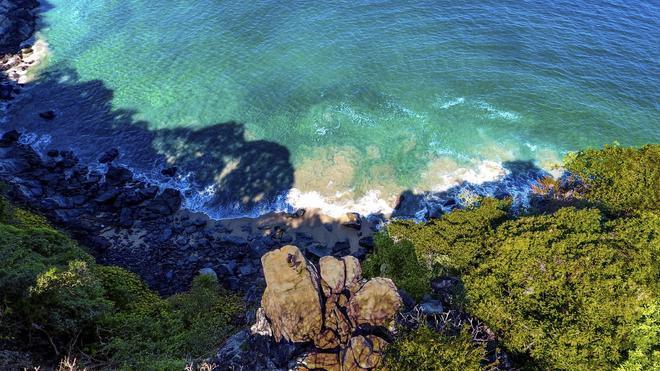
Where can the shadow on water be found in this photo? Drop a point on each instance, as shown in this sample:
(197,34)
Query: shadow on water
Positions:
(242,174)
(516,184)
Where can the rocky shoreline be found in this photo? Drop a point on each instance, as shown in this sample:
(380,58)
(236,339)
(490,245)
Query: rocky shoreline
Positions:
(18,22)
(18,25)
(136,225)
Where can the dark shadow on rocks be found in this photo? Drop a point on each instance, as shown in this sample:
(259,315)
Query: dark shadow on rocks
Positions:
(243,174)
(118,213)
(516,184)
(20,20)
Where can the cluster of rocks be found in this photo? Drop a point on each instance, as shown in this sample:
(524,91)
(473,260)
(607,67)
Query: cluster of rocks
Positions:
(18,20)
(128,222)
(15,67)
(346,318)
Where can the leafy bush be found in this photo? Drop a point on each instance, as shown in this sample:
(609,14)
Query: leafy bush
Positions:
(55,300)
(398,261)
(567,289)
(646,340)
(456,241)
(168,331)
(620,179)
(67,303)
(423,349)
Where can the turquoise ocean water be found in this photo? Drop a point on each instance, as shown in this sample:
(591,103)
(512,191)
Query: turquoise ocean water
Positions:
(344,104)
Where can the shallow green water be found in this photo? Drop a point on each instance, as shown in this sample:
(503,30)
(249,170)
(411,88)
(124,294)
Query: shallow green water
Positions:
(373,95)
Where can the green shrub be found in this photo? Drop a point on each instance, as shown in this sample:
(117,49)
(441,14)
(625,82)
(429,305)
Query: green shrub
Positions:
(25,219)
(55,300)
(646,340)
(568,289)
(619,179)
(423,349)
(67,304)
(5,211)
(456,241)
(125,289)
(398,261)
(190,325)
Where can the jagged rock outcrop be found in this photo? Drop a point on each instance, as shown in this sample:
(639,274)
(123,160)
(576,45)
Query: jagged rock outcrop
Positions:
(372,304)
(344,316)
(291,284)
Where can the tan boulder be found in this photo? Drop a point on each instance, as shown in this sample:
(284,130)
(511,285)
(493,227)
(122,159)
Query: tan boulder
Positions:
(375,303)
(327,339)
(322,361)
(353,276)
(333,275)
(353,271)
(291,300)
(335,319)
(363,353)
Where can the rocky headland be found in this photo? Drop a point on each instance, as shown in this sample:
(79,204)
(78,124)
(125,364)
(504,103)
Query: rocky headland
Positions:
(20,53)
(346,319)
(302,317)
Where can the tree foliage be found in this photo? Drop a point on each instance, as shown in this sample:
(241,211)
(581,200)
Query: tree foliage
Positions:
(55,300)
(398,261)
(457,240)
(574,289)
(425,350)
(567,289)
(618,178)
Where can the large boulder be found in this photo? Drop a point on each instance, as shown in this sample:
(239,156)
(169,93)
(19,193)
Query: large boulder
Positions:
(364,352)
(339,312)
(333,275)
(291,300)
(339,274)
(320,361)
(376,303)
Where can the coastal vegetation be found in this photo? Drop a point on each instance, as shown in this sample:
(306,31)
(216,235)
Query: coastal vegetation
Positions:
(570,283)
(571,288)
(56,301)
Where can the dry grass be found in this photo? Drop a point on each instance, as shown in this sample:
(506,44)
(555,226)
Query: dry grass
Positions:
(204,366)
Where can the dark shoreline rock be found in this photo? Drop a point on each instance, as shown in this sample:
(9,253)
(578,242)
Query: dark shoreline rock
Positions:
(139,226)
(136,225)
(18,22)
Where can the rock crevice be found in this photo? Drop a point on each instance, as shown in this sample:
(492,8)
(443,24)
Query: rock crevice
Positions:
(345,317)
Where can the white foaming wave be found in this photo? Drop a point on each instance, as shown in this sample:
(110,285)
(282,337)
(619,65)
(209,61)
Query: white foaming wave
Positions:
(495,113)
(370,203)
(399,109)
(38,142)
(355,116)
(321,131)
(484,171)
(450,103)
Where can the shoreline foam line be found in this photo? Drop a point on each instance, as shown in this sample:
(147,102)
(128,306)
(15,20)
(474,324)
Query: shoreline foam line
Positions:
(457,188)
